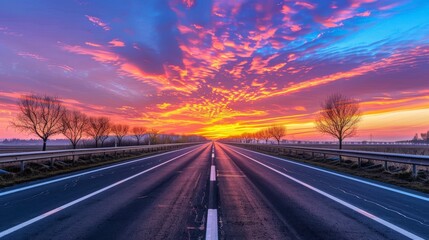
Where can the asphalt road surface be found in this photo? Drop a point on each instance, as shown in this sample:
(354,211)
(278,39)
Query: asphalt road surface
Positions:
(271,198)
(138,200)
(166,196)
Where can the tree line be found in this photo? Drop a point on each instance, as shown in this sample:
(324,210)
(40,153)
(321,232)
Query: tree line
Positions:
(338,117)
(277,132)
(46,116)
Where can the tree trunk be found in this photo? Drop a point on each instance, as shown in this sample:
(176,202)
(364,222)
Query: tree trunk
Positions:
(44,144)
(96,143)
(341,143)
(138,141)
(278,142)
(74,145)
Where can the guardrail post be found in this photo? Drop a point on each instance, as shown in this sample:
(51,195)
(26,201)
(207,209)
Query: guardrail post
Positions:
(359,162)
(52,162)
(22,168)
(414,168)
(385,165)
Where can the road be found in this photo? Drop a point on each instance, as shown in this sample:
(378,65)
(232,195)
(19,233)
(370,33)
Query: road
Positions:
(166,196)
(167,202)
(301,202)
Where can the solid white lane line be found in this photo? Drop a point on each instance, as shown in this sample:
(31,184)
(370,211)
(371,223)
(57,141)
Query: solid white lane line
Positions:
(84,173)
(345,176)
(213,173)
(58,209)
(344,203)
(212,227)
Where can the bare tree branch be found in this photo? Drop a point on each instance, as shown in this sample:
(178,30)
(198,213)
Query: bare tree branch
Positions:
(120,131)
(98,128)
(277,132)
(138,133)
(339,117)
(74,124)
(39,115)
(153,136)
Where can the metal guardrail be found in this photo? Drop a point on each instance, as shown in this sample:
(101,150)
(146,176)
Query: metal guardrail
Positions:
(24,157)
(413,160)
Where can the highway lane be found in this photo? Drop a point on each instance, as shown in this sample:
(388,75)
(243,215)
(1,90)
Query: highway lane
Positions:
(314,204)
(243,210)
(160,197)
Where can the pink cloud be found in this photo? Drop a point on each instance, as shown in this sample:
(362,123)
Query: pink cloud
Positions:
(189,3)
(98,22)
(364,14)
(388,7)
(306,5)
(93,44)
(97,55)
(295,28)
(31,55)
(117,43)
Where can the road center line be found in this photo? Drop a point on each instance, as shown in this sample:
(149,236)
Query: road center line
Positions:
(84,173)
(344,203)
(213,173)
(344,176)
(58,209)
(212,226)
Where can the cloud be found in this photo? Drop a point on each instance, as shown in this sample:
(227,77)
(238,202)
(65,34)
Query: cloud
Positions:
(117,43)
(32,55)
(98,22)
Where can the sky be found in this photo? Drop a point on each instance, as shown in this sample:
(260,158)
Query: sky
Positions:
(224,67)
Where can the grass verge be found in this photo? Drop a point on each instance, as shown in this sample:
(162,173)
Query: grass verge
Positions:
(42,169)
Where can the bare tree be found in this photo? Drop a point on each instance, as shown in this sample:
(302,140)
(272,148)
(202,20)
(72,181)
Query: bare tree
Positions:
(265,135)
(74,124)
(247,137)
(139,133)
(277,132)
(103,138)
(153,135)
(39,115)
(98,128)
(259,136)
(120,131)
(339,117)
